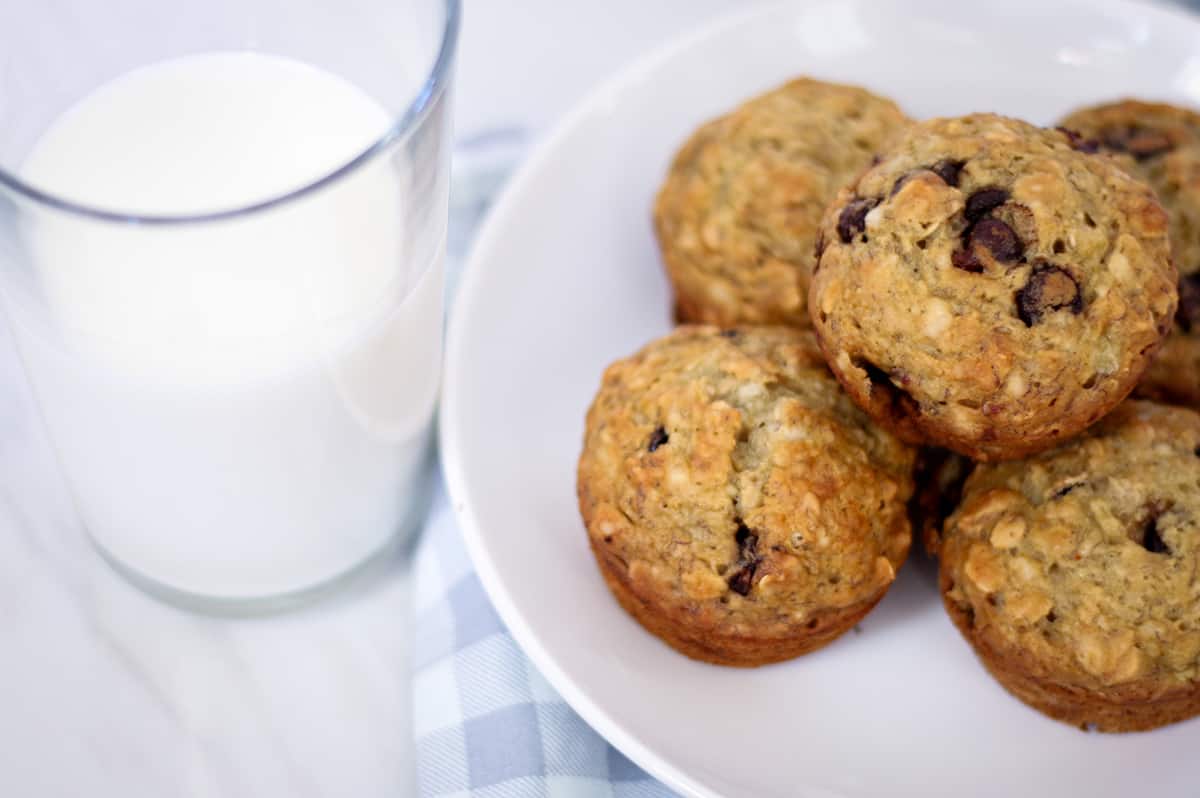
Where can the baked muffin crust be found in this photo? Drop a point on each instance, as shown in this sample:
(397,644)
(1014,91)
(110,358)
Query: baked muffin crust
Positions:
(989,289)
(737,216)
(738,504)
(1073,574)
(1160,144)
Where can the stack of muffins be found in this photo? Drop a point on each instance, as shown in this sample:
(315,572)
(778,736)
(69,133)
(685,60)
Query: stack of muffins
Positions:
(888,326)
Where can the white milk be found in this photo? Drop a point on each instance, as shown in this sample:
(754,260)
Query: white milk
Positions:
(241,408)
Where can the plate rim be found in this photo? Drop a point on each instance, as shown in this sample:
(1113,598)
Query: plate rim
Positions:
(449,432)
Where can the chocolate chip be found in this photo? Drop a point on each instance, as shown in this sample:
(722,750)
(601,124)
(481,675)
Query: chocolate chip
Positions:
(983,201)
(853,219)
(1152,541)
(658,438)
(1142,143)
(1049,288)
(1187,314)
(731,334)
(965,259)
(1078,142)
(741,580)
(899,184)
(747,542)
(819,249)
(948,170)
(1065,489)
(985,232)
(998,238)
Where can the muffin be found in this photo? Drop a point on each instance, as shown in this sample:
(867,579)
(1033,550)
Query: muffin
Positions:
(738,214)
(1073,574)
(738,504)
(1160,144)
(989,289)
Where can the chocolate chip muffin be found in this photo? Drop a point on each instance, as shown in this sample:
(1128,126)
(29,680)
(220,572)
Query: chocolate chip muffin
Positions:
(1160,144)
(989,289)
(738,214)
(1073,574)
(737,502)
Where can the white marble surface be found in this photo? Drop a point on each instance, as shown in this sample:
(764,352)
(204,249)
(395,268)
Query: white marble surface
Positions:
(105,692)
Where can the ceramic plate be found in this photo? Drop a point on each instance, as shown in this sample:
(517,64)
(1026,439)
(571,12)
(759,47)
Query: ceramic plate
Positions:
(566,278)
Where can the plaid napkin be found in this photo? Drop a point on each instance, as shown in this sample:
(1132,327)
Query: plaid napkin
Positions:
(487,724)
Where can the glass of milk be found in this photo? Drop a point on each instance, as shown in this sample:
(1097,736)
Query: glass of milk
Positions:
(222,228)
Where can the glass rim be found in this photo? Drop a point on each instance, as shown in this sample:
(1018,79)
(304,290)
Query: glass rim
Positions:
(402,124)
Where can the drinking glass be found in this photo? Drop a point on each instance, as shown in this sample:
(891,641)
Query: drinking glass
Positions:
(240,397)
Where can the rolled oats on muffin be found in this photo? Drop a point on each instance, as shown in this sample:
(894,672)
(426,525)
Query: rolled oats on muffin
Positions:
(738,504)
(737,216)
(989,289)
(1160,144)
(1073,574)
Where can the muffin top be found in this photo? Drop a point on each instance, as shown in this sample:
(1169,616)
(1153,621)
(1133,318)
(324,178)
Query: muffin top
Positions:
(1085,557)
(737,486)
(1160,144)
(988,288)
(738,214)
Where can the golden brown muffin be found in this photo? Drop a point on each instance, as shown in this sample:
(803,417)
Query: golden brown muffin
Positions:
(737,502)
(737,216)
(1073,574)
(1160,144)
(988,289)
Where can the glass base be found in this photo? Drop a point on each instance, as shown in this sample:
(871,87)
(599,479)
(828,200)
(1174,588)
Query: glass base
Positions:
(374,565)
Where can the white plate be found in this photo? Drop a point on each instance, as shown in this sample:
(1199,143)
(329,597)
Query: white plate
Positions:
(565,278)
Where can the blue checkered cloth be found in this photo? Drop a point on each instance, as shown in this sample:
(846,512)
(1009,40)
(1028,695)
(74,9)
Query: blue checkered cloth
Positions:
(487,724)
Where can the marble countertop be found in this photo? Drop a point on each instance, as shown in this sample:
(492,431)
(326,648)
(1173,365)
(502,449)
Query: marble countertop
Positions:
(106,692)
